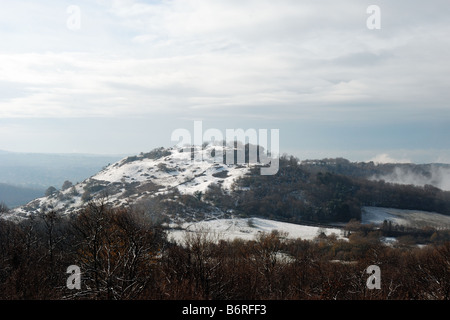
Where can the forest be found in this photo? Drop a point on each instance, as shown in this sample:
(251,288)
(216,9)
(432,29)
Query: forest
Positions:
(302,193)
(124,255)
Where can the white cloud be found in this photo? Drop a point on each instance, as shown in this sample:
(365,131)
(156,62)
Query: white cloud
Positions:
(385,158)
(255,59)
(303,57)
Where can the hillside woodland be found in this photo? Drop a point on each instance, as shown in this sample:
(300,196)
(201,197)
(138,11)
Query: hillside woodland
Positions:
(328,193)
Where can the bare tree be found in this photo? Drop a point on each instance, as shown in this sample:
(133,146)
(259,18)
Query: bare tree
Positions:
(116,252)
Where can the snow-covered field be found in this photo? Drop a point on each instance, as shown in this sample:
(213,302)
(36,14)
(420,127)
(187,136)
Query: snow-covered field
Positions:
(249,229)
(411,218)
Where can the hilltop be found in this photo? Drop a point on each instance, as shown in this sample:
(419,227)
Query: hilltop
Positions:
(161,174)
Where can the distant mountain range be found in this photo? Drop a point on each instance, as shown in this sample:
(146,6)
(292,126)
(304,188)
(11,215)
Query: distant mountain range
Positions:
(14,196)
(26,176)
(40,170)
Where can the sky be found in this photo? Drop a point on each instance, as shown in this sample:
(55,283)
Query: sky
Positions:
(118,77)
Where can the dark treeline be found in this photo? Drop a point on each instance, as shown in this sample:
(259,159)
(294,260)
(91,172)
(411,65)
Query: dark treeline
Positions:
(123,255)
(299,193)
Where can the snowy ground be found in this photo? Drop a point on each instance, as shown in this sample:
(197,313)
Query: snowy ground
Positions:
(411,218)
(248,229)
(175,170)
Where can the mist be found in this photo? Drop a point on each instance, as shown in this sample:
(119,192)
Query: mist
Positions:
(434,175)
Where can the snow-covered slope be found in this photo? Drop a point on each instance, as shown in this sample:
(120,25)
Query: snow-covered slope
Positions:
(249,229)
(409,218)
(176,169)
(141,177)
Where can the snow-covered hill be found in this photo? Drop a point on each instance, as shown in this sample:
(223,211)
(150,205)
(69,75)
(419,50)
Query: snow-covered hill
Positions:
(176,189)
(249,229)
(141,177)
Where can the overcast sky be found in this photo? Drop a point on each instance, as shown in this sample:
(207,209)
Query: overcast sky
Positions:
(118,77)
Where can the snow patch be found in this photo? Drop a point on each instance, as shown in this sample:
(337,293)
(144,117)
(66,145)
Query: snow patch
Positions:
(249,229)
(410,218)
